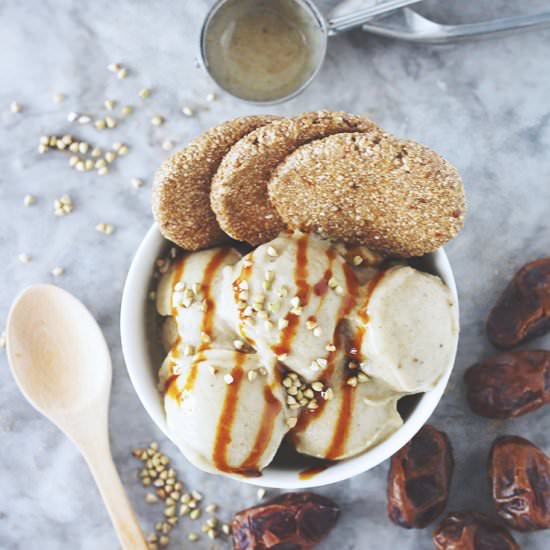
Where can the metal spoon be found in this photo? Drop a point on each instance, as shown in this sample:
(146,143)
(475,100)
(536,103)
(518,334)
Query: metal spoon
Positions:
(407,24)
(60,361)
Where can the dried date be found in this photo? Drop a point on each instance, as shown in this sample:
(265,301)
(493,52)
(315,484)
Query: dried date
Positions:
(419,479)
(292,521)
(509,384)
(520,481)
(523,310)
(472,531)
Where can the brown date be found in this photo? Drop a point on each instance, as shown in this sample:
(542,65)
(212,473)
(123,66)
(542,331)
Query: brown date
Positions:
(520,481)
(419,479)
(523,310)
(472,531)
(509,384)
(292,521)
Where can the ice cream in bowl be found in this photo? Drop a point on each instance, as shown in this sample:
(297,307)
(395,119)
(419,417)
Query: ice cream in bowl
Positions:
(298,356)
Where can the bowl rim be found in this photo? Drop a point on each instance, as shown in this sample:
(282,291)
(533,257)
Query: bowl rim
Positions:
(142,373)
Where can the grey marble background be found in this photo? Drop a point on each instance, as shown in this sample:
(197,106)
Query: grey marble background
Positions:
(484,105)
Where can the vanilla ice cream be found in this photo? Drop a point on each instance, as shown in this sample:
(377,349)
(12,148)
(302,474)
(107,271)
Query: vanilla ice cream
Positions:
(408,329)
(225,413)
(290,295)
(302,336)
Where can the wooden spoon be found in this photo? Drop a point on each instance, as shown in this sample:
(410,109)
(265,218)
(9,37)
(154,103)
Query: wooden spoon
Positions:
(60,361)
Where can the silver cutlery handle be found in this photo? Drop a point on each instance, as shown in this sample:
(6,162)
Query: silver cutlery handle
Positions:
(347,21)
(414,27)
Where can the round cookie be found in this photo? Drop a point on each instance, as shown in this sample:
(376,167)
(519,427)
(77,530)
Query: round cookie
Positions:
(239,195)
(395,196)
(181,191)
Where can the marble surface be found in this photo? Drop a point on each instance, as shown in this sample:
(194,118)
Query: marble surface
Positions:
(484,105)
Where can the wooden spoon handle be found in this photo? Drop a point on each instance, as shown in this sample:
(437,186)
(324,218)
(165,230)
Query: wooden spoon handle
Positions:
(120,510)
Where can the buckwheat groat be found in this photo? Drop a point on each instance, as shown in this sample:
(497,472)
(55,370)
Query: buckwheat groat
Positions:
(181,203)
(395,196)
(239,195)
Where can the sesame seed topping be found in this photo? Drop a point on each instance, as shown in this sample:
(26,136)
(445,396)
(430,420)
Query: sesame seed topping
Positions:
(24,258)
(228,378)
(291,422)
(272,252)
(332,282)
(29,200)
(58,271)
(238,344)
(282,324)
(63,206)
(105,228)
(111,122)
(328,394)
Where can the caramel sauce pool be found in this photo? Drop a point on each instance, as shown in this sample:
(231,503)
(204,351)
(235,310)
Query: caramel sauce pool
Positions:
(262,50)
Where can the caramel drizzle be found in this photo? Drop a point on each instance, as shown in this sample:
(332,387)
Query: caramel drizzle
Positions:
(313,471)
(343,424)
(171,388)
(170,385)
(357,341)
(321,287)
(210,304)
(206,321)
(371,285)
(352,286)
(227,416)
(272,408)
(302,291)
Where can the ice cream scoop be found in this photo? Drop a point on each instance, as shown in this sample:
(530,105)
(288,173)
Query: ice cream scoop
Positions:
(189,292)
(406,329)
(290,295)
(352,421)
(225,412)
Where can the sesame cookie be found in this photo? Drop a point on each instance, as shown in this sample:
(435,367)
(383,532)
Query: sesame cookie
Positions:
(395,196)
(239,195)
(181,202)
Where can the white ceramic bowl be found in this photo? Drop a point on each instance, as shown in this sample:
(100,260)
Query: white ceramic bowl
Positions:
(138,346)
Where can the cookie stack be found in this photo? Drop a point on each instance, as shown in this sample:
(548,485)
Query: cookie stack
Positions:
(332,173)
